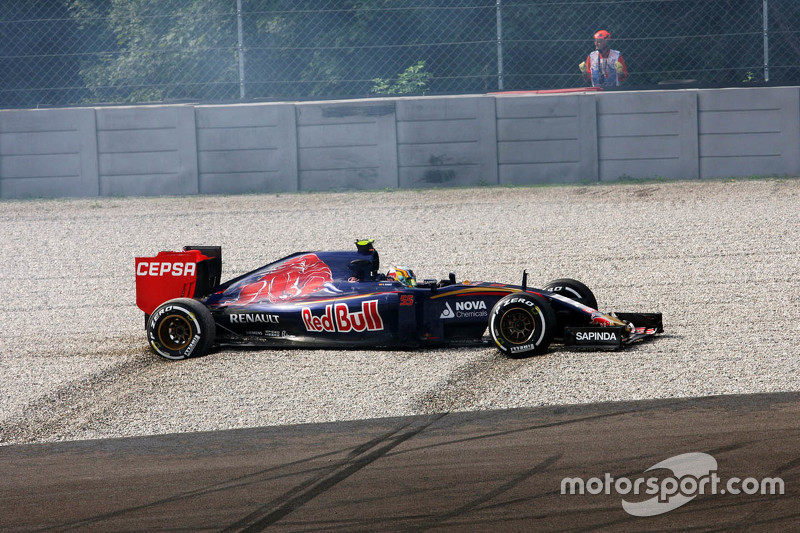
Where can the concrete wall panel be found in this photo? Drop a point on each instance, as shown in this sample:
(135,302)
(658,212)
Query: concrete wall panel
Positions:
(134,141)
(756,121)
(234,139)
(652,168)
(17,166)
(48,153)
(749,132)
(446,142)
(640,134)
(588,168)
(369,178)
(137,118)
(539,139)
(640,147)
(445,175)
(741,146)
(543,173)
(244,161)
(365,158)
(340,135)
(421,132)
(210,117)
(39,142)
(164,162)
(626,103)
(437,155)
(147,150)
(323,158)
(538,152)
(538,129)
(344,112)
(618,125)
(247,148)
(437,109)
(537,106)
(753,165)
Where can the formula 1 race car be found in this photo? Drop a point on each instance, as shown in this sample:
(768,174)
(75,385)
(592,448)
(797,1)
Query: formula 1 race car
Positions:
(340,299)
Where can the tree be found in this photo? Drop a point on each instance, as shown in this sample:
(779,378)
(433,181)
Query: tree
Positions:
(171,49)
(38,47)
(413,80)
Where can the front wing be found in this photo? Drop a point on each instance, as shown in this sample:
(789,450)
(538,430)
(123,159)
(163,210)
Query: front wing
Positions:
(645,325)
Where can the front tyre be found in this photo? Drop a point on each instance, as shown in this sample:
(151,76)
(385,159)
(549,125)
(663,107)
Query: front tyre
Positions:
(522,324)
(574,290)
(181,328)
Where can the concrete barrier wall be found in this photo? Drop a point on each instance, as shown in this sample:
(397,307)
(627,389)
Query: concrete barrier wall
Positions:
(146,150)
(346,145)
(743,133)
(398,143)
(246,148)
(49,153)
(446,142)
(546,139)
(647,134)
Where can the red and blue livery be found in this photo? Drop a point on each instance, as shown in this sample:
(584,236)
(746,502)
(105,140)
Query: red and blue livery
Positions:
(340,299)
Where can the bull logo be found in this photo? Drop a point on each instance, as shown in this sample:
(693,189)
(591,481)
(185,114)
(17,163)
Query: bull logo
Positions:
(288,280)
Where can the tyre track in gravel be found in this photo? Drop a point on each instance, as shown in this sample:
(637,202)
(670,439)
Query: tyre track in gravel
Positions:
(471,385)
(64,411)
(466,385)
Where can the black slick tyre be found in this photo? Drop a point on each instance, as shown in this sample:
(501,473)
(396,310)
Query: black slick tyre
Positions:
(574,290)
(522,324)
(181,328)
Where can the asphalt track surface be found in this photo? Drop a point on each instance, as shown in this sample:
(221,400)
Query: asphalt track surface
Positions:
(479,471)
(99,434)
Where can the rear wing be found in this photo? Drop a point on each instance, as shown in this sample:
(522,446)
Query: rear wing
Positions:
(191,273)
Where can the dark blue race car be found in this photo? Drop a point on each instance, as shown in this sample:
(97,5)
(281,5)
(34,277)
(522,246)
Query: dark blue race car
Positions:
(340,299)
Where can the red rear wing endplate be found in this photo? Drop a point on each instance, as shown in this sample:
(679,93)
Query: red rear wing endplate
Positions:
(168,275)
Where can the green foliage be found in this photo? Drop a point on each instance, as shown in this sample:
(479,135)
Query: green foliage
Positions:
(413,80)
(169,49)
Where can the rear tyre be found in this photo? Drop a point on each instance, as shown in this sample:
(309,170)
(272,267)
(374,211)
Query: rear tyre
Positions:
(181,328)
(574,290)
(522,324)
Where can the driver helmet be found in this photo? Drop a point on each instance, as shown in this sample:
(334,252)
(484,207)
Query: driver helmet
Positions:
(403,275)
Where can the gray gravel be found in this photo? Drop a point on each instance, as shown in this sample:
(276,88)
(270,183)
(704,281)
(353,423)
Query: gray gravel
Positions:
(720,259)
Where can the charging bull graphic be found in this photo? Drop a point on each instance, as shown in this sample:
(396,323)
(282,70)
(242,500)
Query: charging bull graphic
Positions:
(288,280)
